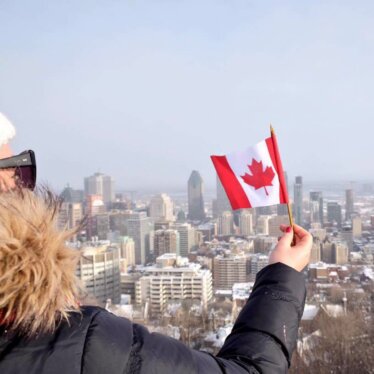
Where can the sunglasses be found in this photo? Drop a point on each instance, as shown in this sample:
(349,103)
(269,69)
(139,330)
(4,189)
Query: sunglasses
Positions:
(24,166)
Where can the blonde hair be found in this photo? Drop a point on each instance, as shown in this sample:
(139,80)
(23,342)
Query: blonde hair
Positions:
(38,285)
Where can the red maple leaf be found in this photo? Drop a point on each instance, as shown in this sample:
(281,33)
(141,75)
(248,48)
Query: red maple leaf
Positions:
(260,178)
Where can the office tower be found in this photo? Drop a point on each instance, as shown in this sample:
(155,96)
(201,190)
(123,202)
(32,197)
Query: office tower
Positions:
(349,204)
(99,269)
(70,195)
(118,221)
(100,184)
(229,269)
(102,225)
(282,209)
(173,279)
(316,206)
(70,215)
(262,226)
(275,222)
(226,223)
(161,208)
(186,237)
(334,213)
(196,210)
(356,226)
(94,206)
(298,200)
(222,203)
(127,251)
(264,244)
(327,253)
(346,235)
(166,241)
(315,255)
(139,227)
(340,253)
(256,264)
(245,222)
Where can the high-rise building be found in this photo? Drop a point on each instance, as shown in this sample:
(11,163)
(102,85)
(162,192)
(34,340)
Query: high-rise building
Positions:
(229,269)
(186,237)
(316,206)
(100,184)
(334,213)
(70,195)
(139,227)
(315,255)
(173,278)
(196,211)
(94,206)
(356,226)
(340,253)
(298,200)
(70,216)
(349,204)
(127,252)
(166,241)
(161,208)
(99,269)
(245,222)
(222,203)
(256,264)
(262,226)
(102,225)
(226,223)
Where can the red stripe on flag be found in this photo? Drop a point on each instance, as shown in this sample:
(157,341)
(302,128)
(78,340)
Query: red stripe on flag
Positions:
(235,193)
(272,146)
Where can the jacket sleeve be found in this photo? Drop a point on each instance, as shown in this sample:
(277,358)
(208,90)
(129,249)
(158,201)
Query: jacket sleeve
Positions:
(7,130)
(265,332)
(262,339)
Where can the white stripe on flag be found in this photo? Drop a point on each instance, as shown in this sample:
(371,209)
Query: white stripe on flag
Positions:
(239,162)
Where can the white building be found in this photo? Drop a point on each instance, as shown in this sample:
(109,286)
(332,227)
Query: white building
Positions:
(186,237)
(100,184)
(161,208)
(173,279)
(99,269)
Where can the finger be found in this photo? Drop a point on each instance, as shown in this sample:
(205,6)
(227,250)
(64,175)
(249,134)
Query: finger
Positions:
(302,235)
(287,237)
(283,227)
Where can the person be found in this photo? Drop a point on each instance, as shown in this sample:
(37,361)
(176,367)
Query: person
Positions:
(43,329)
(7,132)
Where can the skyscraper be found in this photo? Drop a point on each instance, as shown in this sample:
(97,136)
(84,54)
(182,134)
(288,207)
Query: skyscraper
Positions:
(349,204)
(222,203)
(139,227)
(298,200)
(166,241)
(100,184)
(195,197)
(245,222)
(161,208)
(316,206)
(334,213)
(226,223)
(186,237)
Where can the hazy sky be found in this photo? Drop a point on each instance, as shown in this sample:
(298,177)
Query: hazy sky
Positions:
(146,90)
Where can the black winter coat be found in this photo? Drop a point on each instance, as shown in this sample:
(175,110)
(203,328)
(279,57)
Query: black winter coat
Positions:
(97,342)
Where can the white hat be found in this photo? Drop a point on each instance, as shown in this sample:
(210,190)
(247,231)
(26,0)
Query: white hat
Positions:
(7,130)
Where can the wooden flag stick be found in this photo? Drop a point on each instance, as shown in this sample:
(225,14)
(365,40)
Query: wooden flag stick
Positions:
(281,177)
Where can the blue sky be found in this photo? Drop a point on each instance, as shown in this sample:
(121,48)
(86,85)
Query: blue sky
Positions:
(146,90)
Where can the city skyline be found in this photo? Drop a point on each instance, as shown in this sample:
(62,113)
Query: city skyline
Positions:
(146,92)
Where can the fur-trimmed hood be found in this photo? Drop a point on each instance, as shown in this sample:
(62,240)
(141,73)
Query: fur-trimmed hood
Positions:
(38,286)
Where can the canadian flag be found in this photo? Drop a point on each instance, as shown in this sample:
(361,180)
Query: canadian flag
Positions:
(253,177)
